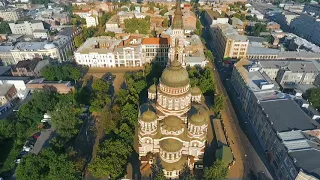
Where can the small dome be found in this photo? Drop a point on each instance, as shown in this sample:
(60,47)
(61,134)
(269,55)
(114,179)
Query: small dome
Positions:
(175,75)
(172,123)
(149,116)
(195,91)
(152,88)
(49,46)
(198,119)
(171,145)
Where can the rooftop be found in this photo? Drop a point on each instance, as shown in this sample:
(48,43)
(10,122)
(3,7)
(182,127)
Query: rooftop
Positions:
(4,88)
(101,45)
(214,14)
(308,160)
(230,32)
(165,41)
(286,115)
(294,66)
(4,69)
(28,64)
(6,48)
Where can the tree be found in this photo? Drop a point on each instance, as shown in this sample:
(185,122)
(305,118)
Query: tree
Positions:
(65,73)
(218,104)
(132,7)
(46,165)
(65,117)
(209,55)
(135,24)
(78,41)
(4,28)
(110,160)
(101,97)
(217,172)
(45,99)
(6,129)
(163,11)
(313,96)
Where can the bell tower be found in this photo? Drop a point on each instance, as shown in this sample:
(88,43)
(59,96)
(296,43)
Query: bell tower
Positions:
(177,37)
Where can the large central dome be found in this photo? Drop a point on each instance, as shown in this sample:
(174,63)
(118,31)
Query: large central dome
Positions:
(175,75)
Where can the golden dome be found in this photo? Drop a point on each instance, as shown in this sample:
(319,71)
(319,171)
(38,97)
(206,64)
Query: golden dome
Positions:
(175,75)
(172,123)
(171,145)
(149,116)
(195,91)
(152,88)
(198,119)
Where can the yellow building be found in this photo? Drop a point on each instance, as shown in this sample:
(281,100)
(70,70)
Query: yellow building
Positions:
(228,42)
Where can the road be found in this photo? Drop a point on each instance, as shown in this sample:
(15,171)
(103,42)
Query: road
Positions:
(245,153)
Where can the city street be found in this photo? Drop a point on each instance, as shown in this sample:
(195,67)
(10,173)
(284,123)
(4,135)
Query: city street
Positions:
(249,159)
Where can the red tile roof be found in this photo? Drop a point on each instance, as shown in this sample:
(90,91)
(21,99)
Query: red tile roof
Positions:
(156,41)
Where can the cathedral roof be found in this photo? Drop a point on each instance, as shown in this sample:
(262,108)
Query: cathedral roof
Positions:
(175,75)
(172,123)
(149,116)
(195,91)
(177,22)
(198,119)
(152,88)
(171,145)
(181,164)
(198,115)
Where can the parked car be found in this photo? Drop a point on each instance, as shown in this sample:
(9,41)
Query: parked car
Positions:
(28,146)
(199,166)
(36,135)
(22,153)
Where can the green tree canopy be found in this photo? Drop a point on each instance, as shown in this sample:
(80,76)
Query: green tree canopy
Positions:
(4,28)
(65,73)
(66,117)
(110,160)
(313,96)
(135,24)
(46,165)
(217,172)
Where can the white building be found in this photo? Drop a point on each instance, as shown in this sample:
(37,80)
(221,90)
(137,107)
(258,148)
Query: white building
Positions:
(18,82)
(92,21)
(40,34)
(109,52)
(26,27)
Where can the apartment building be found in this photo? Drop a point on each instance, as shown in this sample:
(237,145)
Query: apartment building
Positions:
(284,19)
(7,92)
(155,50)
(57,49)
(11,14)
(238,25)
(228,42)
(113,24)
(110,52)
(279,123)
(290,72)
(6,57)
(26,27)
(92,21)
(214,17)
(311,33)
(29,67)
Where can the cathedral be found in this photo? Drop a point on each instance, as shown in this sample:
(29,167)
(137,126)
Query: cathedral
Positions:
(173,124)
